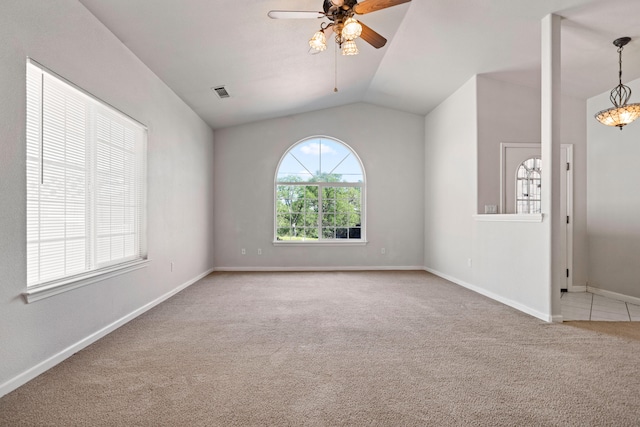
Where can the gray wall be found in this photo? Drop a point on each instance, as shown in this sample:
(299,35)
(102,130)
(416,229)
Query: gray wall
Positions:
(613,219)
(506,113)
(390,145)
(65,37)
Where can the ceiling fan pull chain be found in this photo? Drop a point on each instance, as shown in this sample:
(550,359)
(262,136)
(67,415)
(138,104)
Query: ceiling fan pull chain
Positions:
(335,87)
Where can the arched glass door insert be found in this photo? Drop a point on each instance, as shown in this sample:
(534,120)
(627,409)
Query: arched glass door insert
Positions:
(528,186)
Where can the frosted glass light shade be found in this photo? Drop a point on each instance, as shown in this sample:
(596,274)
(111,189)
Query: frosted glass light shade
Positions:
(619,116)
(349,48)
(351,30)
(318,41)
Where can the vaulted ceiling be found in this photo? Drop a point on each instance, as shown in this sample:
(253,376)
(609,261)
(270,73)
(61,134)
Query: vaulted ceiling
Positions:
(433,47)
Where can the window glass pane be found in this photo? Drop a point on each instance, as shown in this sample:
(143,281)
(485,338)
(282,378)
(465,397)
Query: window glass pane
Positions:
(354,219)
(311,205)
(328,219)
(342,220)
(312,233)
(349,170)
(311,220)
(283,234)
(342,233)
(329,193)
(328,233)
(291,170)
(328,206)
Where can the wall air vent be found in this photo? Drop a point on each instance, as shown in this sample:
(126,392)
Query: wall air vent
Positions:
(221,92)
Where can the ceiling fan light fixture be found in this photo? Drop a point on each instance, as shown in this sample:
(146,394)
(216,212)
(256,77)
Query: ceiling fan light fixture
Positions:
(318,41)
(349,48)
(351,30)
(622,113)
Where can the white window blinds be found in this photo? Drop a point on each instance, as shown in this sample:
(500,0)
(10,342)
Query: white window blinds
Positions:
(85,182)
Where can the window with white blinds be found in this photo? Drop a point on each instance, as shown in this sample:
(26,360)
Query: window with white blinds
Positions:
(86,179)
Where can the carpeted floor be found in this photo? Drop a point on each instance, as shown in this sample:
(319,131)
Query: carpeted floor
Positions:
(338,349)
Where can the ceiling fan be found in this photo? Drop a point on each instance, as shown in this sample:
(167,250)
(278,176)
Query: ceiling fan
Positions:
(344,25)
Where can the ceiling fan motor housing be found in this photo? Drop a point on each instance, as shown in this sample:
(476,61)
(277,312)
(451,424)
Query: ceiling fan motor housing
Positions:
(339,12)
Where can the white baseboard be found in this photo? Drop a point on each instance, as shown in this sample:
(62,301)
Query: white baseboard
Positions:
(336,268)
(613,295)
(574,288)
(52,361)
(518,306)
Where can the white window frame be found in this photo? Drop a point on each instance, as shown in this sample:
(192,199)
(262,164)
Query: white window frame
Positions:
(123,178)
(322,185)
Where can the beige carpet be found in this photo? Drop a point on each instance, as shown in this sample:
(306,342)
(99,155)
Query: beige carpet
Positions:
(337,349)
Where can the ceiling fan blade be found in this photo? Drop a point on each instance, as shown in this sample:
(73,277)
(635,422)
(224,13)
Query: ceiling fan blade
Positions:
(368,6)
(294,14)
(371,37)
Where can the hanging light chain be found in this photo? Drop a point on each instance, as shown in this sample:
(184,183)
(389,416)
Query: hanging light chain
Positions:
(620,94)
(335,87)
(620,49)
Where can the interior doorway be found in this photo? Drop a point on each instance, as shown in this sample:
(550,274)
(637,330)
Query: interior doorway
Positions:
(513,188)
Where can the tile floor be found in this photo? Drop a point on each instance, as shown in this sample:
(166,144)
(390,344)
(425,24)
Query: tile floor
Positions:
(588,306)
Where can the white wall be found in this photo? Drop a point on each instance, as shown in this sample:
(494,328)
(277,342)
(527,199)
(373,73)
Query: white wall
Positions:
(613,206)
(65,37)
(509,264)
(390,145)
(451,183)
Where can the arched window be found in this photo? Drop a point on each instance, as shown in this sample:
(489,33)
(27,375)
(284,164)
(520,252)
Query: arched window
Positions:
(528,186)
(320,193)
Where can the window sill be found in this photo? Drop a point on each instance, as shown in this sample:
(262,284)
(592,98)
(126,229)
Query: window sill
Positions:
(47,290)
(509,217)
(320,243)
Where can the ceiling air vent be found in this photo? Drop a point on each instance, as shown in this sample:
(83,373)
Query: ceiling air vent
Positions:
(221,92)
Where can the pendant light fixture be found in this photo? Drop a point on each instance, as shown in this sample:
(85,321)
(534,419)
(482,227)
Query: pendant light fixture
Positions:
(622,113)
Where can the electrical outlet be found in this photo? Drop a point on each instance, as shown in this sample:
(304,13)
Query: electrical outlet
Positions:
(383,251)
(259,251)
(244,251)
(171,266)
(469,262)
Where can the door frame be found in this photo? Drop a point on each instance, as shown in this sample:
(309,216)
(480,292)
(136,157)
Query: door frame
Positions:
(566,201)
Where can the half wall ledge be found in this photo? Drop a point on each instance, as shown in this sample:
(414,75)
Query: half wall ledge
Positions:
(509,217)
